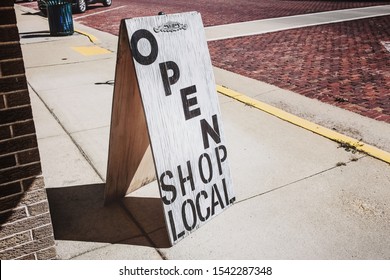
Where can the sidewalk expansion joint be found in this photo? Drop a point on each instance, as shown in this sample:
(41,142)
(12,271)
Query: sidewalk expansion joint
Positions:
(145,234)
(344,140)
(67,63)
(84,155)
(337,165)
(89,251)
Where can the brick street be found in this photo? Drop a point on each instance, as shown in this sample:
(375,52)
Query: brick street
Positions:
(344,64)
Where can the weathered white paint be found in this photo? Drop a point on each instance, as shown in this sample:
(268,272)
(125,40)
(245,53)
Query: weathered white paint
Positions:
(176,140)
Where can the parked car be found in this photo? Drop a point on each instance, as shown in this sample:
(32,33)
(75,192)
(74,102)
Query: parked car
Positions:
(79,6)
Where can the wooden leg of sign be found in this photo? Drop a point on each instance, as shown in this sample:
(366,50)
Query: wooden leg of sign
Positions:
(145,173)
(129,137)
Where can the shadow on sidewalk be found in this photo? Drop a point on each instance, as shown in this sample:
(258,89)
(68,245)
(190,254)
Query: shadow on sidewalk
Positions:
(78,213)
(35,34)
(32,14)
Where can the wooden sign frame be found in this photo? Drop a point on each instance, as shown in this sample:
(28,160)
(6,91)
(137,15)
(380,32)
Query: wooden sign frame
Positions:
(166,122)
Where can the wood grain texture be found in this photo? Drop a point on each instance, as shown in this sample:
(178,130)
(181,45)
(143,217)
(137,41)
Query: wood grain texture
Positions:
(145,173)
(195,184)
(165,95)
(128,134)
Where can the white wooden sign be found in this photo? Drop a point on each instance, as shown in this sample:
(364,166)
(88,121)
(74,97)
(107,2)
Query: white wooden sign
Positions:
(165,95)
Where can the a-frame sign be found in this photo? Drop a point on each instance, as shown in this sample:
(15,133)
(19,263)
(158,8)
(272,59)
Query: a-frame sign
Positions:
(165,97)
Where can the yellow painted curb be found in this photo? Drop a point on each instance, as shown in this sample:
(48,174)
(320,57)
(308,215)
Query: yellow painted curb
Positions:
(346,141)
(92,38)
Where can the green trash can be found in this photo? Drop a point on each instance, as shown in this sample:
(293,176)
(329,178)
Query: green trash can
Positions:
(59,14)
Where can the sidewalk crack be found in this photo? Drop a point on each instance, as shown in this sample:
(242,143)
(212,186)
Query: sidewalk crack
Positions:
(297,181)
(84,155)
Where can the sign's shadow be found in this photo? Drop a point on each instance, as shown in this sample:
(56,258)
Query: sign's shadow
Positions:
(79,214)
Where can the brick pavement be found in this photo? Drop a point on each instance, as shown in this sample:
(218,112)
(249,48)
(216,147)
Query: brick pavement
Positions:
(343,64)
(214,12)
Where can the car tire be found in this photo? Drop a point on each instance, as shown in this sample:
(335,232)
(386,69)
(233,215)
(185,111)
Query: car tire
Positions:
(81,6)
(107,3)
(44,12)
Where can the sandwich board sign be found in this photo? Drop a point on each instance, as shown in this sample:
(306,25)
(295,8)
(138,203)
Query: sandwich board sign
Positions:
(165,98)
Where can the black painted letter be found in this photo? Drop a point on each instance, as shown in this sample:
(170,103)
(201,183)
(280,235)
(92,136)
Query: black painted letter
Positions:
(144,34)
(184,214)
(220,158)
(212,131)
(201,168)
(187,103)
(198,207)
(183,179)
(167,188)
(168,81)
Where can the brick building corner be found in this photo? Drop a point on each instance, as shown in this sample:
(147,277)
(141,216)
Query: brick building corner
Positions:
(25,224)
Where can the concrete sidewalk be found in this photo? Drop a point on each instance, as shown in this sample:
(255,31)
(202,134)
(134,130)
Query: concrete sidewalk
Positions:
(257,27)
(299,195)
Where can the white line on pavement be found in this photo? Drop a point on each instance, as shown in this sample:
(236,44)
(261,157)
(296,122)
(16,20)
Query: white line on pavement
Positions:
(109,10)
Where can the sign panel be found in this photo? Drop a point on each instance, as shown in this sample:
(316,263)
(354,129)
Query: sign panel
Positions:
(177,88)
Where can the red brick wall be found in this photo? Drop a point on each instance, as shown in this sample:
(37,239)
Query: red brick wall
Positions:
(25,225)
